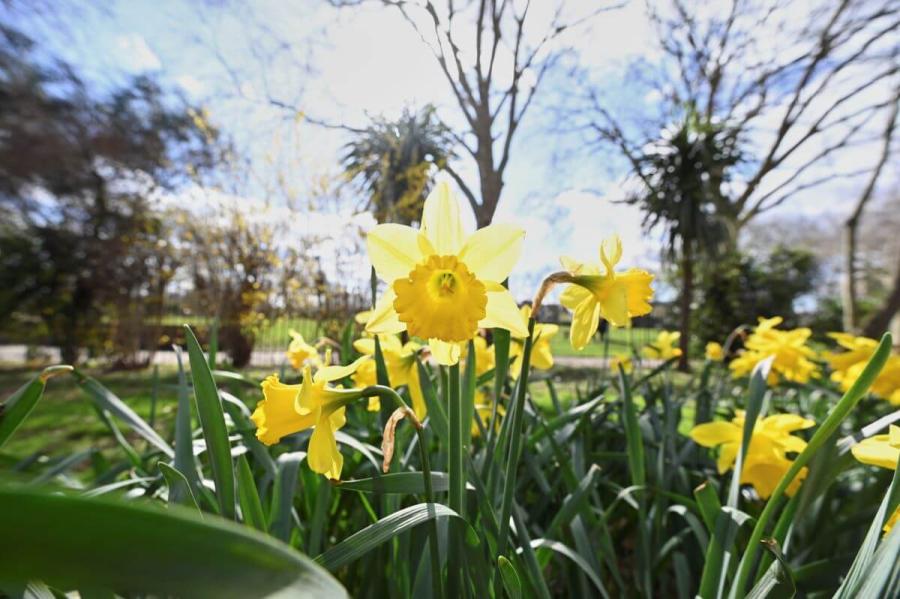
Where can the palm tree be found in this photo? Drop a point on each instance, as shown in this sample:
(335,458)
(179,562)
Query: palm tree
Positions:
(393,163)
(682,177)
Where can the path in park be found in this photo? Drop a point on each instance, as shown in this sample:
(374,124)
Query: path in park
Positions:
(11,355)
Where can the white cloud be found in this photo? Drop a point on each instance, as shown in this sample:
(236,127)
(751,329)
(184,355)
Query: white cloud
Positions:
(136,54)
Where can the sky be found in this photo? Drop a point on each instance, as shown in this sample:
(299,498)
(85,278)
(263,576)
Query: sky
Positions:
(347,65)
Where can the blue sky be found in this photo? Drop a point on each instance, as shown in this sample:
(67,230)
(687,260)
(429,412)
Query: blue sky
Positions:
(369,62)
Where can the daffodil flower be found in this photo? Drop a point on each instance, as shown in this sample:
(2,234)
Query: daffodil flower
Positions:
(848,365)
(615,296)
(485,359)
(443,284)
(792,357)
(402,369)
(714,352)
(623,361)
(541,355)
(766,461)
(287,409)
(665,347)
(299,351)
(485,410)
(883,451)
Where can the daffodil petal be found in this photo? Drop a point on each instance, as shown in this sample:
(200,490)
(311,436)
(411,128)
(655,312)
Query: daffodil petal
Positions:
(329,374)
(727,456)
(502,312)
(492,252)
(585,319)
(441,221)
(573,295)
(393,250)
(710,434)
(384,319)
(323,455)
(614,307)
(365,346)
(570,264)
(877,451)
(445,353)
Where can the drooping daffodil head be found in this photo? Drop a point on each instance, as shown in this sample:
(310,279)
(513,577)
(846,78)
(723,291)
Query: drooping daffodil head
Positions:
(442,283)
(767,457)
(300,352)
(593,294)
(314,403)
(541,354)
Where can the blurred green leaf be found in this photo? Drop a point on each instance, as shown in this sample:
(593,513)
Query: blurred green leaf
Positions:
(137,549)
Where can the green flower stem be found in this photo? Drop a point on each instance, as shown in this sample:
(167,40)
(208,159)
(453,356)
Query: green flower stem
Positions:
(387,393)
(515,448)
(456,467)
(838,414)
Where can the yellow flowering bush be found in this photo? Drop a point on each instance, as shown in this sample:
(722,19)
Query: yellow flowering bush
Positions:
(847,365)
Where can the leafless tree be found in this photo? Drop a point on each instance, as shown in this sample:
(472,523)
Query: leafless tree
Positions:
(795,93)
(851,226)
(494,55)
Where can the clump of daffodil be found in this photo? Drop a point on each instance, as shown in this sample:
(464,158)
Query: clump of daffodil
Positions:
(615,296)
(714,352)
(883,451)
(300,352)
(665,347)
(443,284)
(485,359)
(402,369)
(541,356)
(792,357)
(624,361)
(766,461)
(287,409)
(846,366)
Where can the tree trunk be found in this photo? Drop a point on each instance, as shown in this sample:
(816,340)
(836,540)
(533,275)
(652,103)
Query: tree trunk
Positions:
(848,287)
(881,320)
(848,284)
(687,297)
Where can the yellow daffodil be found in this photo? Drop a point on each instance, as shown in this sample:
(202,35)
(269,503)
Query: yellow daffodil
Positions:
(541,356)
(287,409)
(400,361)
(362,317)
(792,357)
(665,347)
(299,351)
(616,296)
(848,365)
(443,284)
(883,451)
(623,361)
(766,461)
(485,359)
(714,352)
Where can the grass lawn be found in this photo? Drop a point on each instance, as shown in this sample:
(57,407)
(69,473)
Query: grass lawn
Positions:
(619,340)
